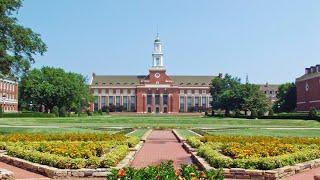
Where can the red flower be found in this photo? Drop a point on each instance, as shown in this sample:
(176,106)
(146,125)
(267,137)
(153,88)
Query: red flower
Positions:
(121,173)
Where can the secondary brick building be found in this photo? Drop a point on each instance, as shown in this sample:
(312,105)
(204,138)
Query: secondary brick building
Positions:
(9,95)
(308,89)
(156,92)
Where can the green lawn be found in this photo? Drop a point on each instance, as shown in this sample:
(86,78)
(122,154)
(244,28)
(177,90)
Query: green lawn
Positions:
(139,133)
(185,133)
(154,121)
(269,132)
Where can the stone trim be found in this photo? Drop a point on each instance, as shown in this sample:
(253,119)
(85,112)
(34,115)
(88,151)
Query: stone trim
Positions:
(177,135)
(6,175)
(275,174)
(146,135)
(197,134)
(56,173)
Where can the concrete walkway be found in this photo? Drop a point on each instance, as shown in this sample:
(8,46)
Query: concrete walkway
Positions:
(161,146)
(305,175)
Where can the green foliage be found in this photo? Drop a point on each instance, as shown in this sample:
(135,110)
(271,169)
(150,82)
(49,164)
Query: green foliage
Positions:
(55,111)
(287,98)
(18,45)
(194,142)
(51,87)
(271,112)
(28,114)
(313,113)
(230,95)
(100,112)
(254,114)
(63,111)
(1,112)
(165,171)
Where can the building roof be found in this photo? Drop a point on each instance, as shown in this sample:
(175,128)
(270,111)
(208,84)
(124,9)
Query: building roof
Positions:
(106,80)
(308,76)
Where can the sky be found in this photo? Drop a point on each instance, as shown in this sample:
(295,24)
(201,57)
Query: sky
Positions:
(268,40)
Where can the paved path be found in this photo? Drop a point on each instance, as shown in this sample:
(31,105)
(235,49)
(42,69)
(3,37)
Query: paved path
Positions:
(309,175)
(21,173)
(161,146)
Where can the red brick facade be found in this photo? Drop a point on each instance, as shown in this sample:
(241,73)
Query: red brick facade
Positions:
(8,95)
(308,89)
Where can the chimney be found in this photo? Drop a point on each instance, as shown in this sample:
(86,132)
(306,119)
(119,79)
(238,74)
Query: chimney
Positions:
(318,67)
(93,74)
(308,70)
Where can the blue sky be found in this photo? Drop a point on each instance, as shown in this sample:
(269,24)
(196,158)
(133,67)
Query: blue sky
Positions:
(270,40)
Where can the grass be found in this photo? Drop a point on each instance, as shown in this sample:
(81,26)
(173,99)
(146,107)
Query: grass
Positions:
(185,133)
(154,121)
(269,132)
(139,133)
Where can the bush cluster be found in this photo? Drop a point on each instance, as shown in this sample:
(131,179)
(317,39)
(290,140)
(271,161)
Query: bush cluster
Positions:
(28,114)
(165,170)
(259,152)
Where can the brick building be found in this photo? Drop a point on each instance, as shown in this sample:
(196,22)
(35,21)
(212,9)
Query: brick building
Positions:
(156,92)
(9,95)
(308,89)
(271,91)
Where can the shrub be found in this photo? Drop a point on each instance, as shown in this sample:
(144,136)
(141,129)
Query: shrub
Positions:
(254,114)
(313,113)
(165,170)
(55,111)
(89,112)
(194,142)
(63,111)
(100,111)
(271,112)
(113,158)
(1,112)
(28,114)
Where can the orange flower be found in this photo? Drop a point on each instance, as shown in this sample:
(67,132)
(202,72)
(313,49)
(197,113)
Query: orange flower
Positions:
(177,172)
(203,175)
(121,173)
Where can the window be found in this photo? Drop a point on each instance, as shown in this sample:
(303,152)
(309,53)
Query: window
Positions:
(165,99)
(157,61)
(96,105)
(204,103)
(103,103)
(133,104)
(125,103)
(182,106)
(149,99)
(111,102)
(157,99)
(189,102)
(118,103)
(196,104)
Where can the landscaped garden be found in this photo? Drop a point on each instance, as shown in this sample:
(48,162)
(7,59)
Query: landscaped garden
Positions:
(255,152)
(69,150)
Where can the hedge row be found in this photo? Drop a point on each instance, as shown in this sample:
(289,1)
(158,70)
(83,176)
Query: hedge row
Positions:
(217,160)
(29,114)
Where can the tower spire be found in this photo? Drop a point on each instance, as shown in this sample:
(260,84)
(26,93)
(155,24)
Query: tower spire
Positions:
(157,55)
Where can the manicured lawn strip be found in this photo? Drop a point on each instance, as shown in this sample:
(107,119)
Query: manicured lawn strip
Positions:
(10,130)
(155,121)
(185,133)
(138,133)
(269,132)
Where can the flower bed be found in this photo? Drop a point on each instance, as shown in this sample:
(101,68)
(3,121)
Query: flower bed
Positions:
(78,150)
(263,153)
(165,171)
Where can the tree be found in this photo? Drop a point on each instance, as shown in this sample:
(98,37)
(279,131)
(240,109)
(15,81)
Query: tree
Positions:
(253,99)
(54,87)
(287,98)
(18,44)
(225,93)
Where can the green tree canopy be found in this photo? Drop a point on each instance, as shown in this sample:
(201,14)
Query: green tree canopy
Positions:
(18,44)
(287,98)
(229,94)
(54,87)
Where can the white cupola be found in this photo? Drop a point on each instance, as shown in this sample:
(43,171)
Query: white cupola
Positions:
(157,55)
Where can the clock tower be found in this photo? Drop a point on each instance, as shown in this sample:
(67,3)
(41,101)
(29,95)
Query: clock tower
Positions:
(157,55)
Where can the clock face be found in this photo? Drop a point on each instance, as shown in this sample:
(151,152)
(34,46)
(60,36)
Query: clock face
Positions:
(157,75)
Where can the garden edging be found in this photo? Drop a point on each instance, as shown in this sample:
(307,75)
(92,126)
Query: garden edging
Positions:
(239,173)
(56,173)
